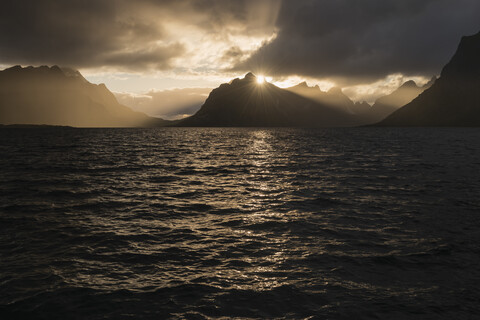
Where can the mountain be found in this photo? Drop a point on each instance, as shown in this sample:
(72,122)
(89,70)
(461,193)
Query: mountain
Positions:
(62,96)
(388,104)
(454,99)
(334,98)
(245,102)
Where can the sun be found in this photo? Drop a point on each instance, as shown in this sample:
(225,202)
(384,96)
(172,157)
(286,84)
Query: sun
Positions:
(260,79)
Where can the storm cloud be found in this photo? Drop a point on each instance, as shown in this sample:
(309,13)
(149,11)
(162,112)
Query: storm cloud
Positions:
(129,35)
(82,34)
(343,40)
(365,40)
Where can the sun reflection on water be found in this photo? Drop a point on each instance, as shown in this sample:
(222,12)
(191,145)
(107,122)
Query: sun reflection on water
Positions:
(207,217)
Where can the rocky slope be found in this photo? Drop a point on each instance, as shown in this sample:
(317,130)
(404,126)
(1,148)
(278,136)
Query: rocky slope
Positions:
(60,96)
(245,102)
(454,99)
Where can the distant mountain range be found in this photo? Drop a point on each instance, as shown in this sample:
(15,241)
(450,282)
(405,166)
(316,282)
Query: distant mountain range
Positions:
(451,100)
(245,102)
(334,98)
(62,96)
(386,105)
(454,99)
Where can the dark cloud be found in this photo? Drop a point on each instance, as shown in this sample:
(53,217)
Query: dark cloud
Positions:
(154,57)
(82,33)
(251,17)
(119,33)
(365,40)
(344,39)
(233,55)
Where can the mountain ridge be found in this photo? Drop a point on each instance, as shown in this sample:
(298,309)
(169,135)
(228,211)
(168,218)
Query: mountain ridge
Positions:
(53,96)
(244,102)
(334,97)
(386,105)
(62,96)
(454,99)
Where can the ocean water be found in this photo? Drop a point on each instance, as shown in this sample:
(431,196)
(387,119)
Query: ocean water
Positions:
(186,223)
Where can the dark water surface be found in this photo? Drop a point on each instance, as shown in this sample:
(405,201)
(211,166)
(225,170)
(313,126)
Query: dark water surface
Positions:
(249,223)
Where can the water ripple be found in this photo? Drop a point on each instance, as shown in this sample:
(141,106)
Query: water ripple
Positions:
(248,223)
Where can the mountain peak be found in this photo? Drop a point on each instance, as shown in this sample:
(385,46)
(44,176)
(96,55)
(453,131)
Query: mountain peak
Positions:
(14,68)
(452,100)
(386,105)
(336,91)
(250,76)
(303,84)
(409,84)
(56,96)
(465,63)
(30,69)
(54,70)
(242,103)
(73,73)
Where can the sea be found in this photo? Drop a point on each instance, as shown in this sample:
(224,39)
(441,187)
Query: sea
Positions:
(240,223)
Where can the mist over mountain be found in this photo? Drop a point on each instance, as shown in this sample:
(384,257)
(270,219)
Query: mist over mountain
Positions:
(62,96)
(333,98)
(362,111)
(166,104)
(454,99)
(386,105)
(245,102)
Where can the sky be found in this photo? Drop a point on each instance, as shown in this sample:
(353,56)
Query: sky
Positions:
(152,51)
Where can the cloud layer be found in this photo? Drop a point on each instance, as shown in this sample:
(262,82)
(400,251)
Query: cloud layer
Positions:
(366,39)
(128,35)
(343,40)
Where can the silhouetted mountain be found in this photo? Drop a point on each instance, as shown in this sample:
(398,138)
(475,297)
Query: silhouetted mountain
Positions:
(62,96)
(454,99)
(244,102)
(32,126)
(429,83)
(388,104)
(361,107)
(334,98)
